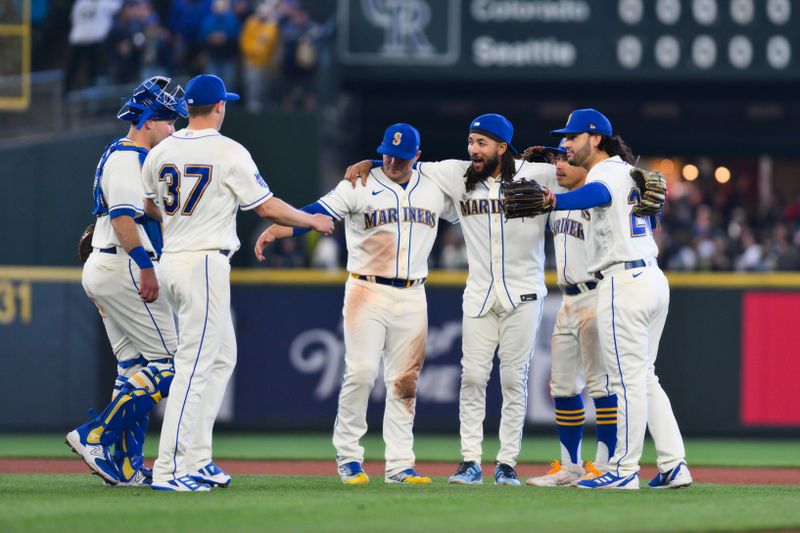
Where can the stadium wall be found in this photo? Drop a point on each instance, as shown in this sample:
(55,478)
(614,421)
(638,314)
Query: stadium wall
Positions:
(726,356)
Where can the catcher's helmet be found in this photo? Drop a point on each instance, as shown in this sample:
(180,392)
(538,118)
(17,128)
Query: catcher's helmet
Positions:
(151,101)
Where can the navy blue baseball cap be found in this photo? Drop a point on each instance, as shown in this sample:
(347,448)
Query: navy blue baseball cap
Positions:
(585,121)
(207,89)
(495,127)
(400,140)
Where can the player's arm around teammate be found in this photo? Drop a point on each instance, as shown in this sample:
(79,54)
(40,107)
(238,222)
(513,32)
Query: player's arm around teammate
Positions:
(575,343)
(385,309)
(505,288)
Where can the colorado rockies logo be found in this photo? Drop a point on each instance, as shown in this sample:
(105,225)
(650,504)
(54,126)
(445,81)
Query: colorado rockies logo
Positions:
(400,32)
(403,22)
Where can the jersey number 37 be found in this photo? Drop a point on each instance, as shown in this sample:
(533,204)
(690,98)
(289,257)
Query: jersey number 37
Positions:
(172,177)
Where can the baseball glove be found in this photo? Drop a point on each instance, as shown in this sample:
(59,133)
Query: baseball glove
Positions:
(85,243)
(527,198)
(653,191)
(534,154)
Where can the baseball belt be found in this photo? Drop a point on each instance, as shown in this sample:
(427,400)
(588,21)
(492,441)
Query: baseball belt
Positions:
(391,282)
(574,290)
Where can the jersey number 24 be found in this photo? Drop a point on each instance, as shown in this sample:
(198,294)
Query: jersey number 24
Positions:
(172,177)
(639,226)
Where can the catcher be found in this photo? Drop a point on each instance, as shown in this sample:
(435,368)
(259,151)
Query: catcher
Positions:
(120,251)
(632,292)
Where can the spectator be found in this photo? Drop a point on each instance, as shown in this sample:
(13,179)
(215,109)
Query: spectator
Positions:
(126,42)
(259,41)
(185,19)
(91,24)
(157,56)
(286,254)
(454,251)
(299,66)
(220,35)
(326,254)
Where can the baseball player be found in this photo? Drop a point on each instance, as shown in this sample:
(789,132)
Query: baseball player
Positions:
(391,224)
(198,179)
(632,301)
(575,342)
(120,278)
(505,288)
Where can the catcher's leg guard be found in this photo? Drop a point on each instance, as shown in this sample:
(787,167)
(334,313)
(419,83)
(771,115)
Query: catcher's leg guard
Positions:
(136,398)
(128,454)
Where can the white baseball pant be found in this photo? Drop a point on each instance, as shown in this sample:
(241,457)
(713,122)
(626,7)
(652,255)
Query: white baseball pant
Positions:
(393,322)
(197,285)
(575,345)
(631,313)
(133,326)
(515,331)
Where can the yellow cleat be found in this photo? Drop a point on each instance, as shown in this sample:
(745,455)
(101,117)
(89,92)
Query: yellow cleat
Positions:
(409,477)
(359,479)
(352,474)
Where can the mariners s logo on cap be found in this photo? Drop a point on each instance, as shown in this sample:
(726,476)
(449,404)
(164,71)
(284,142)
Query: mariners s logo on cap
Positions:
(585,121)
(400,140)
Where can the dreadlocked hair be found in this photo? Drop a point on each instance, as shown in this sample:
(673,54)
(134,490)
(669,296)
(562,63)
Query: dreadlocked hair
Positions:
(508,168)
(616,146)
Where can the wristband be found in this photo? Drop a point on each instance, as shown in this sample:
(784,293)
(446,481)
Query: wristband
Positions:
(141,258)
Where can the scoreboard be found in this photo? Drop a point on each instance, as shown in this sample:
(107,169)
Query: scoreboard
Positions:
(554,40)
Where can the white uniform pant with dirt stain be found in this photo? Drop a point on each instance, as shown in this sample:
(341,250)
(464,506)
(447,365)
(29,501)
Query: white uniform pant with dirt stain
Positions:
(392,322)
(631,313)
(575,346)
(134,327)
(515,331)
(197,285)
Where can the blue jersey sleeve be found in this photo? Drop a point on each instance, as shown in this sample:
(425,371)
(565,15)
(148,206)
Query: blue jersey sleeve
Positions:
(311,209)
(594,194)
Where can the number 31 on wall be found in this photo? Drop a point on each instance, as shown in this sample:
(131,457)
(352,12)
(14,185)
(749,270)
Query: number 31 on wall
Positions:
(15,302)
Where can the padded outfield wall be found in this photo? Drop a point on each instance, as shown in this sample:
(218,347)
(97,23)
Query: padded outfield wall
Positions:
(727,359)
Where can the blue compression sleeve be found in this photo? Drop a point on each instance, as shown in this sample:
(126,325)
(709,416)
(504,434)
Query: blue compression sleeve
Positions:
(311,209)
(594,194)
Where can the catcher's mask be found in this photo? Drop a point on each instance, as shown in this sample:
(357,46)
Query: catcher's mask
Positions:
(151,101)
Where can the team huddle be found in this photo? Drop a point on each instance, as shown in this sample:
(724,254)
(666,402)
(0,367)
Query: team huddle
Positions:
(601,210)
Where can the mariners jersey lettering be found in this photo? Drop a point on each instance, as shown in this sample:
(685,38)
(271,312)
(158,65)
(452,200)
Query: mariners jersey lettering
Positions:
(389,230)
(194,176)
(121,191)
(617,234)
(506,257)
(570,231)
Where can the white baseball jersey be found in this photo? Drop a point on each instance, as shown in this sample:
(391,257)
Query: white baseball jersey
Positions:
(506,257)
(570,231)
(121,186)
(390,230)
(194,175)
(617,234)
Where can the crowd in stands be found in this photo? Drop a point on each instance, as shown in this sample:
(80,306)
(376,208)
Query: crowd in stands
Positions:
(269,50)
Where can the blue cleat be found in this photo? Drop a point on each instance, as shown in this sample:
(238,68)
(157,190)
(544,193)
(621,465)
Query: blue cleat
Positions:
(610,481)
(468,473)
(352,474)
(96,456)
(674,479)
(181,484)
(505,475)
(212,475)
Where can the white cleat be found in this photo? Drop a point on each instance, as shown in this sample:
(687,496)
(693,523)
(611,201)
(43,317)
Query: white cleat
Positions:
(181,484)
(96,456)
(558,476)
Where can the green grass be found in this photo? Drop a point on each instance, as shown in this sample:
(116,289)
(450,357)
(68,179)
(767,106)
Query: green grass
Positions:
(700,452)
(79,502)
